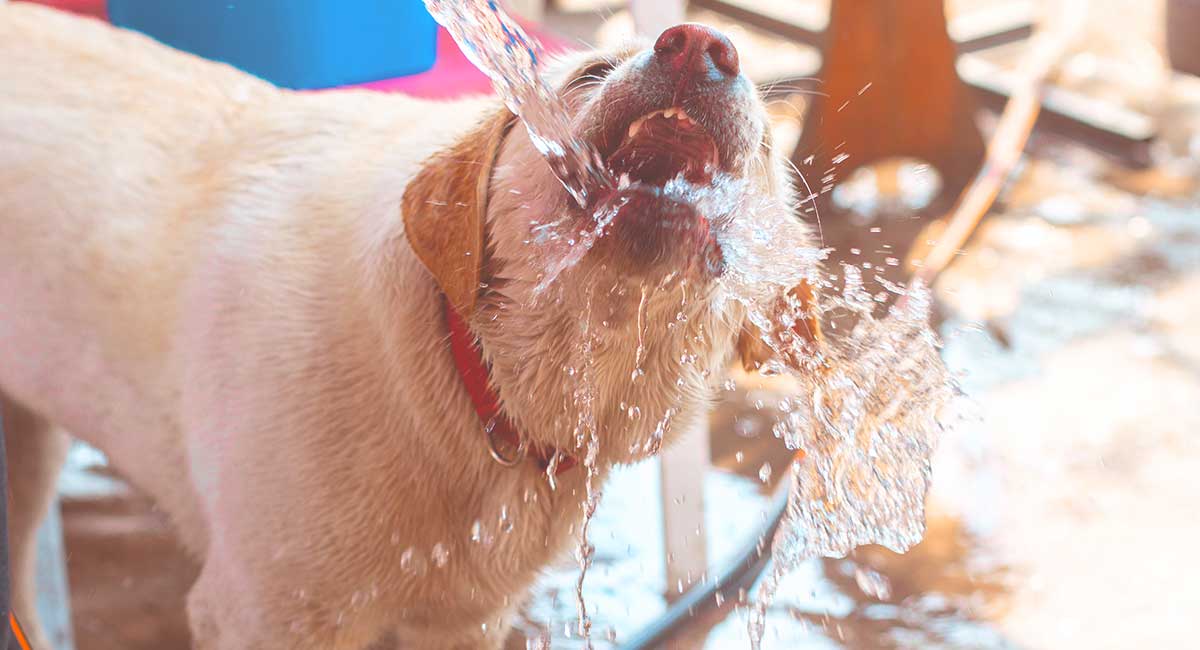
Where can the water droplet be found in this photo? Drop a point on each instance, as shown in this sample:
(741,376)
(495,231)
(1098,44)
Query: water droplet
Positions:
(440,555)
(873,583)
(746,427)
(764,472)
(739,457)
(635,413)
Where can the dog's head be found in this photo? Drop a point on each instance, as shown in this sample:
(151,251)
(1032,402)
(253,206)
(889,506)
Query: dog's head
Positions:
(703,236)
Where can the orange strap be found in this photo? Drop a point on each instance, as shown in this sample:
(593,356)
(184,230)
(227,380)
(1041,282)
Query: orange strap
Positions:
(18,634)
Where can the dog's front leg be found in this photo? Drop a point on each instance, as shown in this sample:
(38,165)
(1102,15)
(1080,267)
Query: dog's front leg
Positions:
(456,635)
(230,608)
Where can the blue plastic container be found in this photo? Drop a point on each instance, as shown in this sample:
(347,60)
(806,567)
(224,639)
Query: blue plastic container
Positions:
(293,43)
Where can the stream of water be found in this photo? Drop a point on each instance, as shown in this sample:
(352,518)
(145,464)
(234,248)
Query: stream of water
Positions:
(499,47)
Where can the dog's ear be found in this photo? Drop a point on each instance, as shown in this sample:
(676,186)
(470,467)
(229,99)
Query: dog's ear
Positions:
(799,308)
(444,207)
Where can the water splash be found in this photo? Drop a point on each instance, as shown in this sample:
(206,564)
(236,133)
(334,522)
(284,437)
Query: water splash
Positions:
(873,583)
(640,353)
(570,247)
(868,418)
(867,414)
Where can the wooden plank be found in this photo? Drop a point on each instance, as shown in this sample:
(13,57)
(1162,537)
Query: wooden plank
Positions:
(972,32)
(992,27)
(801,25)
(1005,149)
(1121,133)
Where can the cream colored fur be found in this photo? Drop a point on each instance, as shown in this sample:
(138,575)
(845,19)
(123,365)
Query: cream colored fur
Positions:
(208,279)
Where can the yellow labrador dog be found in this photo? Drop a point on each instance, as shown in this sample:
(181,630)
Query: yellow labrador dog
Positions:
(311,326)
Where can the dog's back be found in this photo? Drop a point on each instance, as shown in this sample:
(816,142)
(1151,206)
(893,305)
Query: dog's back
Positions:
(94,229)
(91,252)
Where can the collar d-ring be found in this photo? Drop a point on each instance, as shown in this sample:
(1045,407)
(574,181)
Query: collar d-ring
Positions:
(494,449)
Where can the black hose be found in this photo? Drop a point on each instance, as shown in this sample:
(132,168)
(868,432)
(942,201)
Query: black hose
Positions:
(740,573)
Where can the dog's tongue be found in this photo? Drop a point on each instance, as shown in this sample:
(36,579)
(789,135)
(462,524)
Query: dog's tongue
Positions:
(662,149)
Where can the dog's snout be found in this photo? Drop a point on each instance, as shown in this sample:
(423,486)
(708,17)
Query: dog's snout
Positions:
(692,49)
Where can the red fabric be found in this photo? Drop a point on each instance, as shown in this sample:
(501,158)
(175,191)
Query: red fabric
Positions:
(468,358)
(97,8)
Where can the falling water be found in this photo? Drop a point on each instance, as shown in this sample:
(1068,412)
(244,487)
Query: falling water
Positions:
(586,438)
(498,46)
(867,420)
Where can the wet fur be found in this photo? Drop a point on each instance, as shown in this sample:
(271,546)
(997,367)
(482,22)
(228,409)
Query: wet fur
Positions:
(209,280)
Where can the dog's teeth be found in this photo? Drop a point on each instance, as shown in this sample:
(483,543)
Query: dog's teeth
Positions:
(634,128)
(671,112)
(623,182)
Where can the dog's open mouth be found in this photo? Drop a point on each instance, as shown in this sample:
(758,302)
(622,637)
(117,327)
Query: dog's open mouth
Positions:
(663,145)
(652,227)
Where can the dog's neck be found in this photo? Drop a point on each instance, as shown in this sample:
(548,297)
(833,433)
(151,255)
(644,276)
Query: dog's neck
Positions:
(505,443)
(631,366)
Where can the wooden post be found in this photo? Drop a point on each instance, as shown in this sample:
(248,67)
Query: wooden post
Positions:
(53,595)
(683,467)
(889,89)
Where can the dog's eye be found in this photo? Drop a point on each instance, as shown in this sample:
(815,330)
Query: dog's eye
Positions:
(594,73)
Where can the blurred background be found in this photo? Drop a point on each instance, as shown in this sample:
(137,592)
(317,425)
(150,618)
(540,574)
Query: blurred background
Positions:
(1064,506)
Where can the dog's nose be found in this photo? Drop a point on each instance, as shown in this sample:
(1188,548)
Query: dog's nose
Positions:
(697,49)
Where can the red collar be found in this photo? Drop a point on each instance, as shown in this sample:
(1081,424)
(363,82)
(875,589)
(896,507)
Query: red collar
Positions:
(473,371)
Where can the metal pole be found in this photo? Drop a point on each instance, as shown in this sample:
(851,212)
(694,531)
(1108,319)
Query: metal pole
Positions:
(5,586)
